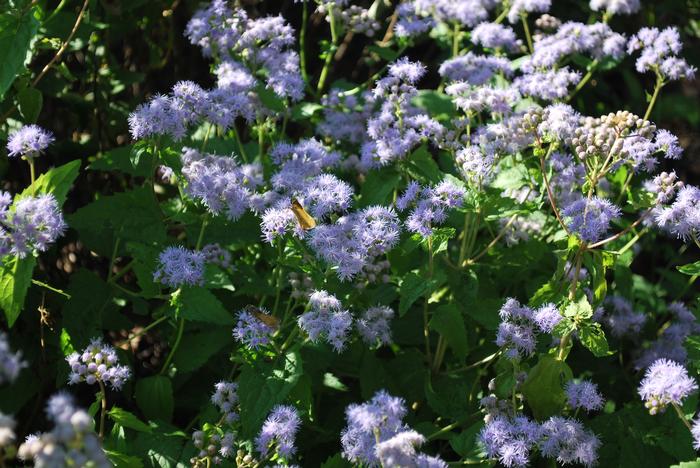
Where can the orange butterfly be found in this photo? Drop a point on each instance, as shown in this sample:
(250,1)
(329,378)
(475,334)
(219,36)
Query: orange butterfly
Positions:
(269,320)
(305,220)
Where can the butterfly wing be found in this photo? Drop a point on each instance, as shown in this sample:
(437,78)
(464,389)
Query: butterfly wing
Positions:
(305,220)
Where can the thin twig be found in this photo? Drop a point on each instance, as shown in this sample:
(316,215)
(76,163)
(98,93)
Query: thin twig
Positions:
(621,233)
(492,243)
(550,195)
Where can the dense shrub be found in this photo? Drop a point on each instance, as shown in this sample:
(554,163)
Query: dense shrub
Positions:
(416,234)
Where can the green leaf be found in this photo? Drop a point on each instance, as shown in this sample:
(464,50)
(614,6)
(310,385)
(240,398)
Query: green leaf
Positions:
(56,181)
(441,238)
(82,314)
(201,305)
(271,100)
(422,166)
(593,338)
(413,287)
(688,464)
(197,348)
(121,460)
(16,34)
(15,279)
(154,397)
(119,159)
(448,321)
(579,310)
(692,269)
(29,102)
(378,187)
(386,53)
(336,461)
(261,388)
(544,387)
(437,104)
(128,420)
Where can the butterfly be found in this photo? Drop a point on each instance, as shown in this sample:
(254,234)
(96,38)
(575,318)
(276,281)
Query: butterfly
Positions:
(269,320)
(305,220)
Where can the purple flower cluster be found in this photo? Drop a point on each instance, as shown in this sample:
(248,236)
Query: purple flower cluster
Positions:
(595,40)
(399,126)
(417,16)
(475,165)
(376,434)
(97,363)
(590,217)
(583,394)
(213,446)
(354,241)
(570,176)
(10,363)
(374,326)
(216,255)
(665,382)
(430,205)
(178,266)
(251,331)
(495,36)
(279,430)
(621,318)
(345,117)
(659,53)
(225,397)
(261,44)
(474,69)
(517,332)
(523,7)
(548,85)
(670,343)
(33,223)
(326,319)
(615,7)
(29,141)
(682,217)
(222,185)
(71,442)
(511,440)
(475,99)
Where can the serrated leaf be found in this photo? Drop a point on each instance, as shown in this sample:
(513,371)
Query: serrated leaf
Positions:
(378,187)
(16,34)
(128,420)
(154,397)
(544,387)
(197,348)
(422,166)
(15,279)
(448,321)
(200,305)
(592,337)
(412,288)
(29,103)
(56,181)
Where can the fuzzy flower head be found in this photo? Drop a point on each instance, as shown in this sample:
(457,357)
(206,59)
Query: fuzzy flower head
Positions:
(214,445)
(583,394)
(178,266)
(495,36)
(278,431)
(10,363)
(29,141)
(376,420)
(695,432)
(251,330)
(97,363)
(615,7)
(71,441)
(682,217)
(509,440)
(516,332)
(665,382)
(374,325)
(34,224)
(432,206)
(326,319)
(225,397)
(567,441)
(590,218)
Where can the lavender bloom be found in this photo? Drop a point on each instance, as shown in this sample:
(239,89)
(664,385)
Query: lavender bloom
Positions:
(475,165)
(98,362)
(279,430)
(7,431)
(225,397)
(668,143)
(623,320)
(520,7)
(29,141)
(10,363)
(399,450)
(326,319)
(568,441)
(590,218)
(417,16)
(178,266)
(495,36)
(665,382)
(374,325)
(426,461)
(409,195)
(516,333)
(380,418)
(354,241)
(547,85)
(300,162)
(216,255)
(158,117)
(682,218)
(251,331)
(547,317)
(474,69)
(409,23)
(695,432)
(568,176)
(584,395)
(71,442)
(475,99)
(615,7)
(219,183)
(559,122)
(670,344)
(658,53)
(213,445)
(276,222)
(35,223)
(509,440)
(345,117)
(432,206)
(326,194)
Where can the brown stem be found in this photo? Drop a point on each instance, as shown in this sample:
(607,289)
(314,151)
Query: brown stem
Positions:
(103,411)
(550,195)
(621,233)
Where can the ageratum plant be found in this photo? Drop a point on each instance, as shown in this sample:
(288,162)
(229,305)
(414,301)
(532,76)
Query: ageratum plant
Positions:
(424,262)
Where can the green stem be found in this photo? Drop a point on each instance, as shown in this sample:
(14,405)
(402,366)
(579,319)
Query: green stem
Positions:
(680,414)
(278,285)
(528,37)
(586,78)
(200,238)
(657,89)
(426,331)
(32,173)
(180,329)
(241,148)
(331,51)
(290,338)
(51,288)
(302,42)
(103,410)
(113,259)
(122,272)
(145,329)
(206,137)
(465,235)
(455,40)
